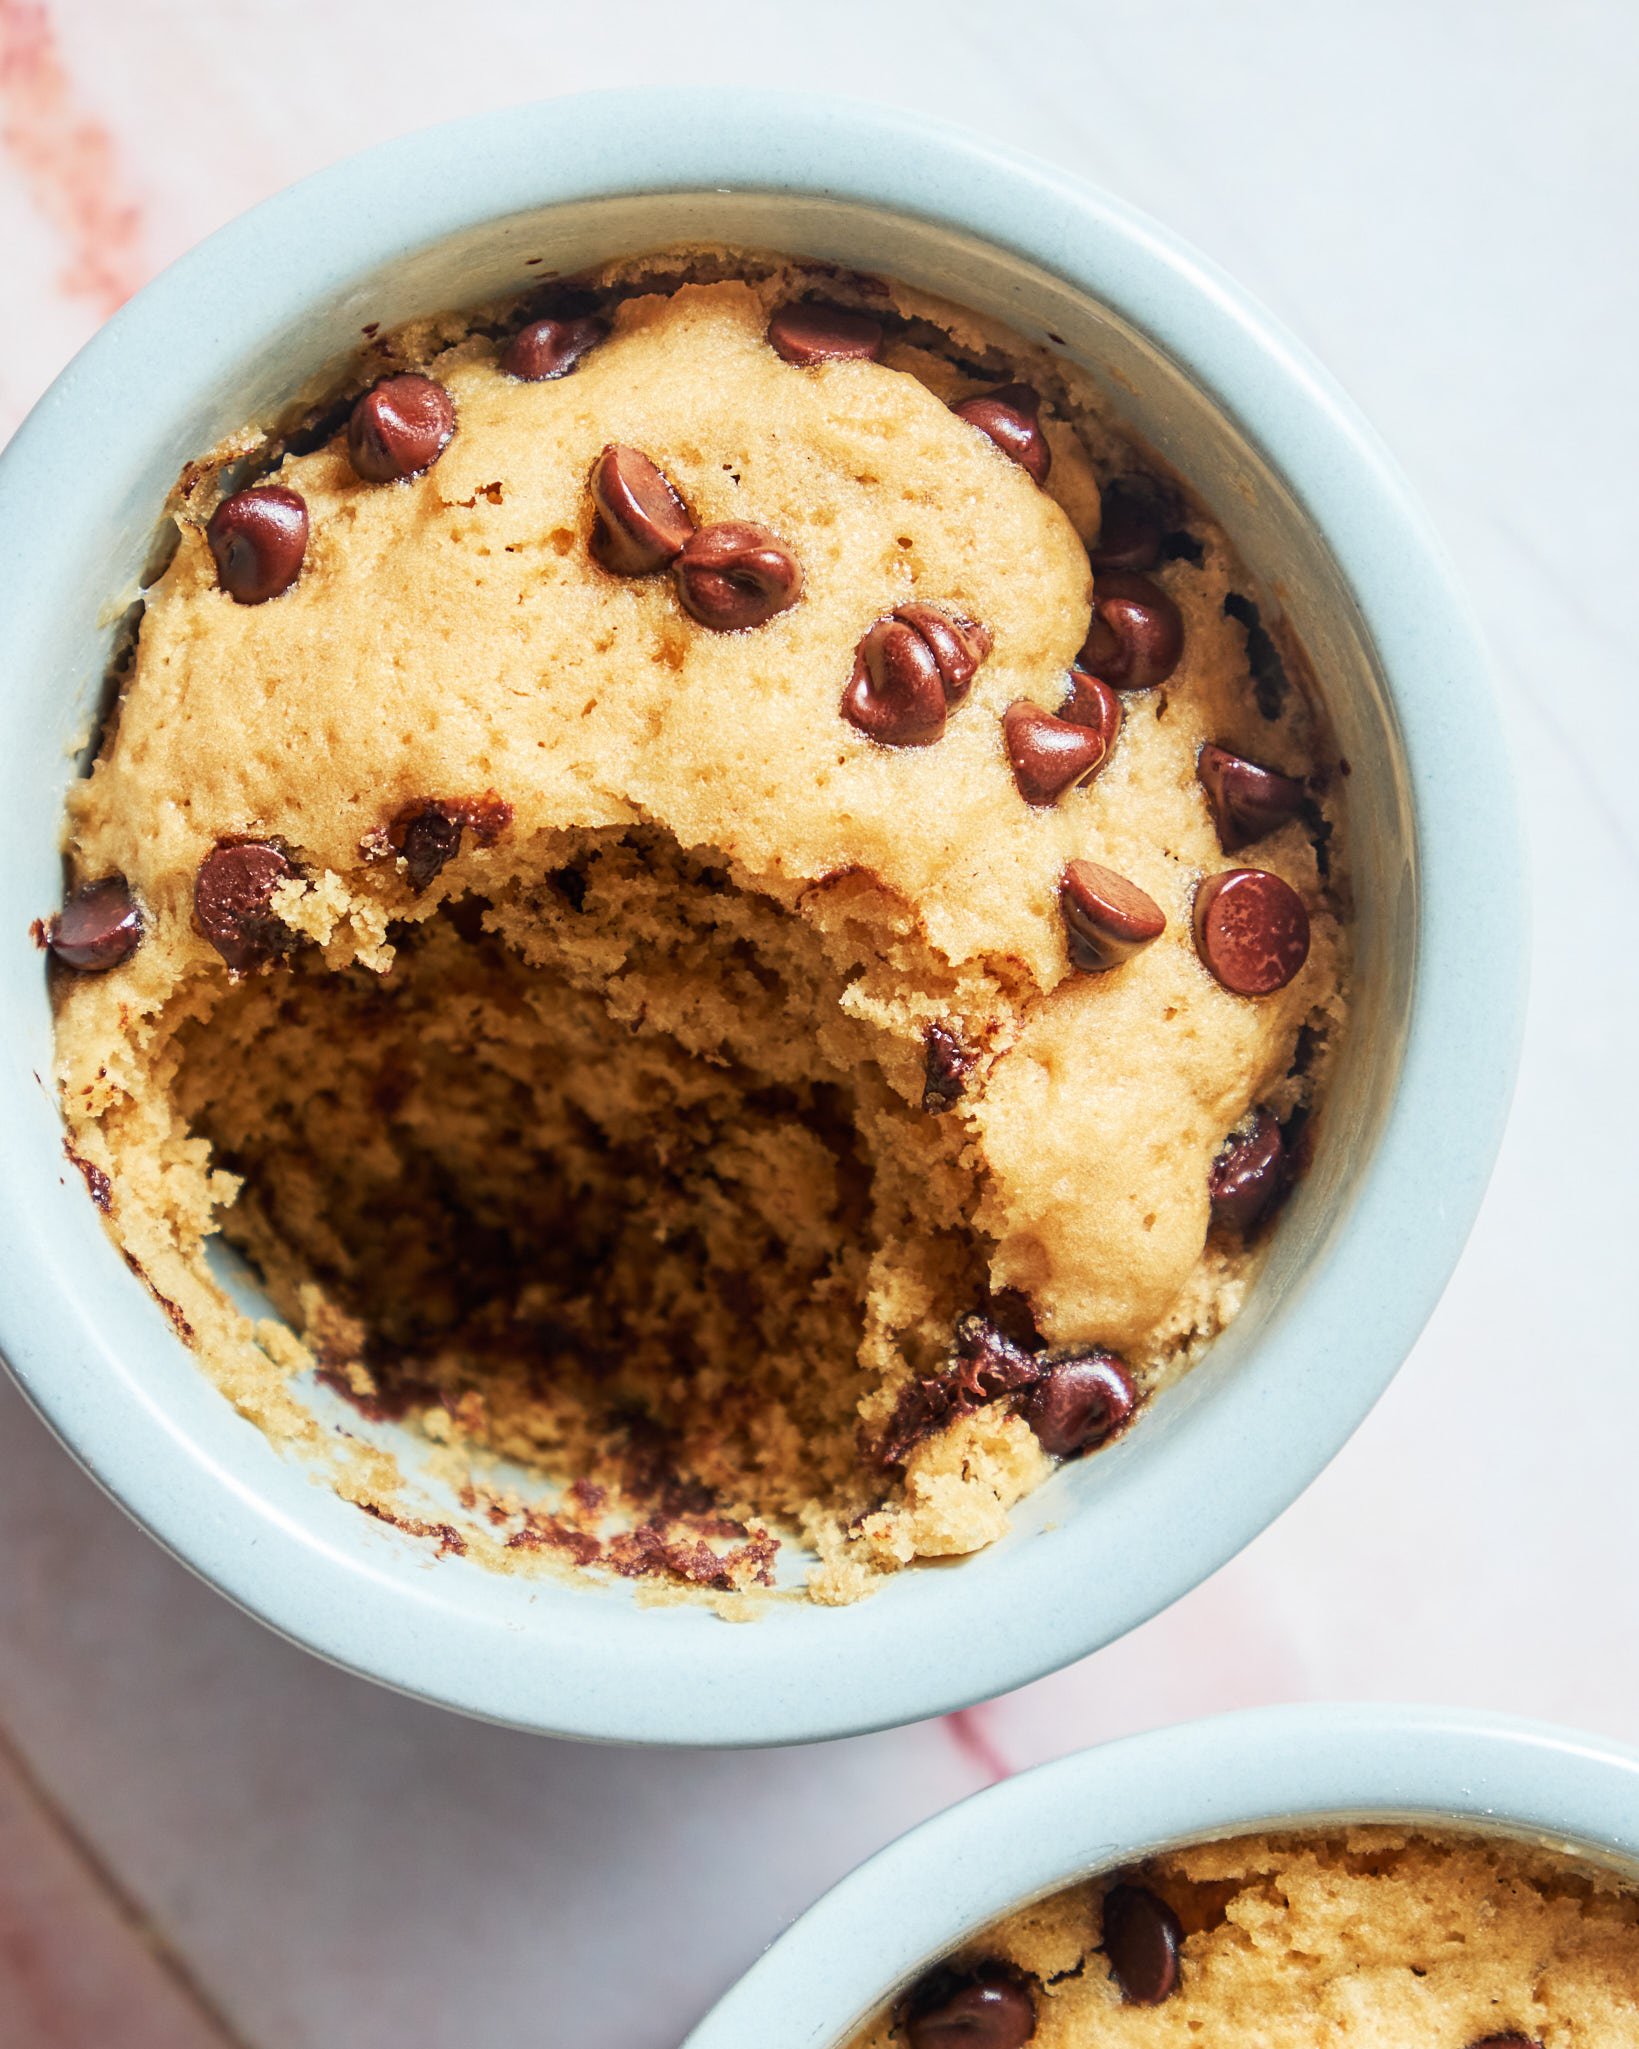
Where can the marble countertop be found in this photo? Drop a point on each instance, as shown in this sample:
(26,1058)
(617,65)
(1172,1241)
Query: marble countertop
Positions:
(208,1837)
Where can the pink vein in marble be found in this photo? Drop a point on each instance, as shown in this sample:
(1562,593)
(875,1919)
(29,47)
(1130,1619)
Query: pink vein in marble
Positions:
(66,161)
(969,1730)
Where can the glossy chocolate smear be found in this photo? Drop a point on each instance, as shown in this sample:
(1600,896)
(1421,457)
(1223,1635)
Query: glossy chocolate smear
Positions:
(546,349)
(1251,930)
(233,902)
(399,428)
(97,928)
(258,539)
(1106,918)
(1247,801)
(811,331)
(1009,415)
(640,524)
(734,576)
(1142,1941)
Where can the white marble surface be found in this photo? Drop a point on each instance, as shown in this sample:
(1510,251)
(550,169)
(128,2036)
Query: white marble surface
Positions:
(1442,201)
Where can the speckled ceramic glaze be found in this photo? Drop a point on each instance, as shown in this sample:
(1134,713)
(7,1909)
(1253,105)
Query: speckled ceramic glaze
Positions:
(876,1932)
(275,302)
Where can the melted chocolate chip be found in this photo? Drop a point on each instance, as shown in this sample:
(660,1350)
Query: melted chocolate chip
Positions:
(990,2011)
(641,523)
(987,1366)
(399,428)
(1142,1940)
(97,1184)
(911,668)
(1130,528)
(1083,1399)
(1009,416)
(1088,702)
(1136,637)
(258,538)
(1107,918)
(946,1065)
(1251,930)
(233,899)
(1049,755)
(97,928)
(429,839)
(813,332)
(734,576)
(1250,1175)
(1246,801)
(426,834)
(551,348)
(1514,2038)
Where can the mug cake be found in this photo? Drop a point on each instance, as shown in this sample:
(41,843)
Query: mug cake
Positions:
(1371,1936)
(722,887)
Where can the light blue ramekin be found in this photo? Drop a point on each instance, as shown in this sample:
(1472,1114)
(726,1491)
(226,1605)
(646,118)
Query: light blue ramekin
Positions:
(873,1935)
(452,217)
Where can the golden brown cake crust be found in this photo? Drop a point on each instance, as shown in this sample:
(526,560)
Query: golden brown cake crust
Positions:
(1368,1938)
(760,899)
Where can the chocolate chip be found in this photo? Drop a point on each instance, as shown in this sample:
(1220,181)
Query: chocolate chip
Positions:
(1246,801)
(1136,637)
(258,538)
(1250,1175)
(1106,917)
(988,1365)
(1009,416)
(98,927)
(1083,1399)
(1142,1939)
(988,2012)
(910,669)
(233,899)
(1130,528)
(1251,930)
(733,576)
(946,1065)
(431,838)
(641,522)
(426,833)
(1049,754)
(1513,2039)
(1088,702)
(814,332)
(551,348)
(399,428)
